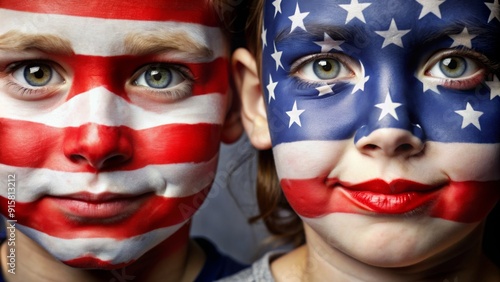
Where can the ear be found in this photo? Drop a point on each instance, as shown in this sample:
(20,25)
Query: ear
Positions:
(253,110)
(232,128)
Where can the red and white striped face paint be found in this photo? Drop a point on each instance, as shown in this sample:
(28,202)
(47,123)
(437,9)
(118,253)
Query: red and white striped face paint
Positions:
(110,117)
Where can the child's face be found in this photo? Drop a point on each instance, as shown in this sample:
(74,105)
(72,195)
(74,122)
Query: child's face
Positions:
(111,115)
(384,120)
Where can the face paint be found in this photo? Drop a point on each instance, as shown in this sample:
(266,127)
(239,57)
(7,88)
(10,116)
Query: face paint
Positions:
(111,120)
(384,108)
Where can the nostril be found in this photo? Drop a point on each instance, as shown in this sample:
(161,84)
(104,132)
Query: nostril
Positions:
(390,142)
(115,160)
(77,158)
(110,161)
(371,147)
(404,148)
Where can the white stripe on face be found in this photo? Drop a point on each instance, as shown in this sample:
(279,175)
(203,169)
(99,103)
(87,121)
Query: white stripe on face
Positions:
(106,249)
(106,37)
(456,161)
(100,106)
(170,180)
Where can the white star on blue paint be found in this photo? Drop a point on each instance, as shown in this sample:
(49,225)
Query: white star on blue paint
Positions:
(388,107)
(294,115)
(494,87)
(360,84)
(277,58)
(298,19)
(393,35)
(495,10)
(270,88)
(328,44)
(277,7)
(324,89)
(430,6)
(263,36)
(355,10)
(427,85)
(470,117)
(464,38)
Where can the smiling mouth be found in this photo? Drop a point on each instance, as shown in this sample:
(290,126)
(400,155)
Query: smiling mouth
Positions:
(397,197)
(106,207)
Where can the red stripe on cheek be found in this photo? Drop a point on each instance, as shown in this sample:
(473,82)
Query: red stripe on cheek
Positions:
(312,198)
(28,144)
(465,202)
(189,11)
(116,73)
(156,212)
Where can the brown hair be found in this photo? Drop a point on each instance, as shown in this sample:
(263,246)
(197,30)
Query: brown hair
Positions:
(275,211)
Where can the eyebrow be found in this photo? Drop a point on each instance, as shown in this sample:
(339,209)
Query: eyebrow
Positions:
(425,36)
(48,43)
(318,30)
(157,42)
(429,35)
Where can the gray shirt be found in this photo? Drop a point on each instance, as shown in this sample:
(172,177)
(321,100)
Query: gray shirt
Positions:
(260,271)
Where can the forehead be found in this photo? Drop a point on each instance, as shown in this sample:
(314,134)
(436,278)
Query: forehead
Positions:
(102,28)
(362,15)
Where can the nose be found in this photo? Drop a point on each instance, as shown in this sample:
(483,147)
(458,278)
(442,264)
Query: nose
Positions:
(98,146)
(390,142)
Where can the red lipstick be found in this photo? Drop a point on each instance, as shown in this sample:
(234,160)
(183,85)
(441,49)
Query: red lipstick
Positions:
(397,197)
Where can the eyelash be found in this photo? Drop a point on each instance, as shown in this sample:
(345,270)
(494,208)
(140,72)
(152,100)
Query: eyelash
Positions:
(486,67)
(176,92)
(36,91)
(343,60)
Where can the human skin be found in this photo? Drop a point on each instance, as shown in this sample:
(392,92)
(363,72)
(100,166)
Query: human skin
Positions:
(111,118)
(383,121)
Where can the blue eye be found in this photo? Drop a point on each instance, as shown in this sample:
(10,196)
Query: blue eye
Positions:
(36,74)
(456,69)
(324,69)
(453,67)
(159,76)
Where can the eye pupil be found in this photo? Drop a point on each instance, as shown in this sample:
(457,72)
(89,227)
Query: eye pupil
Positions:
(327,68)
(453,67)
(38,74)
(158,77)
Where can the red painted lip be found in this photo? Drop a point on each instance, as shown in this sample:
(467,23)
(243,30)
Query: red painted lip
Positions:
(397,197)
(105,206)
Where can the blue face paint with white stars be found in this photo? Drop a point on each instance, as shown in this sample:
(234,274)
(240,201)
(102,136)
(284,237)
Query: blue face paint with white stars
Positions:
(335,70)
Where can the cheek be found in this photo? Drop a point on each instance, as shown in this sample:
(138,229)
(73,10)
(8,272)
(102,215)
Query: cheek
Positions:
(310,158)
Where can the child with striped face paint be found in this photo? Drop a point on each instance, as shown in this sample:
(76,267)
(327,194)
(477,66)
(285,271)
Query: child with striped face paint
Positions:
(111,117)
(382,117)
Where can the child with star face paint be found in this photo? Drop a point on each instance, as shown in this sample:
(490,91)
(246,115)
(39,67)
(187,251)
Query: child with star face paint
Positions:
(382,117)
(111,117)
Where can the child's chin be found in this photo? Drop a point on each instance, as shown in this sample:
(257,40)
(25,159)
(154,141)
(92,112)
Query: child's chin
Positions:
(95,263)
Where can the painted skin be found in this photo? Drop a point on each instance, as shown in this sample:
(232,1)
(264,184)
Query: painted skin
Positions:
(383,122)
(111,121)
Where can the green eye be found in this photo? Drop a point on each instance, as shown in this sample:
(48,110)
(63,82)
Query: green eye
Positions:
(453,67)
(159,76)
(37,75)
(326,68)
